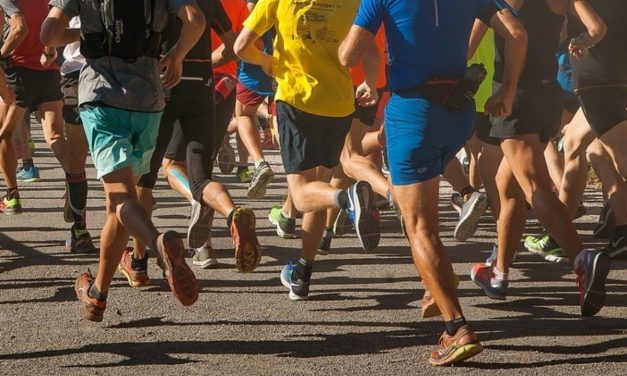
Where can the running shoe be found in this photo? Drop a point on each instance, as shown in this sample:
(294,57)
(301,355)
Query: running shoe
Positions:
(469,214)
(135,271)
(244,175)
(203,257)
(81,243)
(11,206)
(342,224)
(483,276)
(428,308)
(591,270)
(491,261)
(91,309)
(285,227)
(28,174)
(226,157)
(545,247)
(199,227)
(365,218)
(180,277)
(617,247)
(453,349)
(607,221)
(247,248)
(297,284)
(262,176)
(325,242)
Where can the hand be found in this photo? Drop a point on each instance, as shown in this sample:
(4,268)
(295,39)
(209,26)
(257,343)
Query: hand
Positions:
(366,96)
(577,48)
(8,95)
(171,68)
(47,58)
(500,104)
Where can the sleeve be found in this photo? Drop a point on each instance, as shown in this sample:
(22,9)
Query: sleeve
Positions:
(220,22)
(10,7)
(70,7)
(488,8)
(263,17)
(370,15)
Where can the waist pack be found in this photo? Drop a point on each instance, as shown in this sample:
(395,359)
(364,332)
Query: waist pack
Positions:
(128,31)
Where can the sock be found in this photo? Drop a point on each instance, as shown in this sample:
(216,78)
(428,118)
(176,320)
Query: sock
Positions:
(95,294)
(454,325)
(12,193)
(389,197)
(27,163)
(259,162)
(498,276)
(468,190)
(328,233)
(229,218)
(303,270)
(341,200)
(77,195)
(284,214)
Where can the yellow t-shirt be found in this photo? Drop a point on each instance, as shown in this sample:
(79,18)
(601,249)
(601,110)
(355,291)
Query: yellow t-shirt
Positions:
(485,55)
(305,60)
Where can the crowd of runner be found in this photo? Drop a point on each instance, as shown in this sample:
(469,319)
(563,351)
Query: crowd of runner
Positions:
(369,103)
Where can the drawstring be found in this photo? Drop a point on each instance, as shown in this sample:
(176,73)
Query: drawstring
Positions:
(437,13)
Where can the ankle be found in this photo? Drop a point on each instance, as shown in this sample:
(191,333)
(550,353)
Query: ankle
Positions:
(94,293)
(454,325)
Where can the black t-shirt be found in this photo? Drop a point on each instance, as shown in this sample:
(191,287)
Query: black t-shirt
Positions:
(607,62)
(197,63)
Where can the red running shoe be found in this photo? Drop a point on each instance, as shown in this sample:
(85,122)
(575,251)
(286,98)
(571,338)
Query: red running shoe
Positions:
(91,309)
(247,248)
(180,277)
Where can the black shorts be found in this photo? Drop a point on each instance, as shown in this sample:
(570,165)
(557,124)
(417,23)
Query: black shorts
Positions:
(69,88)
(34,87)
(482,129)
(308,140)
(536,110)
(604,107)
(368,115)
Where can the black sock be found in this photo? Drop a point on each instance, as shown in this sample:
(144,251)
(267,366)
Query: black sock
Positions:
(328,233)
(241,168)
(27,163)
(94,293)
(303,270)
(454,325)
(620,230)
(229,218)
(468,190)
(12,193)
(341,200)
(77,195)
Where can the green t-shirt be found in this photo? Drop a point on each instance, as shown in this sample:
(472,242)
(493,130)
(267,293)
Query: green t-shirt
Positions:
(485,55)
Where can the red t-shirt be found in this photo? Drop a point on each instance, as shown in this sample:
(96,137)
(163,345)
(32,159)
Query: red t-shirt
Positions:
(237,12)
(28,53)
(357,73)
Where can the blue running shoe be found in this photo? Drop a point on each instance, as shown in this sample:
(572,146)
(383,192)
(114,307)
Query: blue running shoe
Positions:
(28,174)
(363,214)
(591,268)
(483,276)
(292,279)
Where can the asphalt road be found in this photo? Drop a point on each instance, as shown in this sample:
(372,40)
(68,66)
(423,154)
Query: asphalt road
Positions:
(362,318)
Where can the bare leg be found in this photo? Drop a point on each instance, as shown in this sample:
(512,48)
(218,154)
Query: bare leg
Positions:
(555,164)
(12,116)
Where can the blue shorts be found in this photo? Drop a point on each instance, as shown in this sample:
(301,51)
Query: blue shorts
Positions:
(119,138)
(422,137)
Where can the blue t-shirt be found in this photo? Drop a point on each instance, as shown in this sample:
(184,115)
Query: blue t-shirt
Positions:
(426,38)
(252,76)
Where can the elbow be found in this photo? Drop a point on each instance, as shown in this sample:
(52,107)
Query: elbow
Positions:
(21,30)
(198,21)
(239,46)
(346,59)
(519,37)
(598,32)
(46,36)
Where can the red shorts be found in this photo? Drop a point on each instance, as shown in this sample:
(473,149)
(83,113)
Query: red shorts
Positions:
(248,97)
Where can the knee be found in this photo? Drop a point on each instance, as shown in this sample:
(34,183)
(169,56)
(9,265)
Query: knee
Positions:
(573,147)
(115,201)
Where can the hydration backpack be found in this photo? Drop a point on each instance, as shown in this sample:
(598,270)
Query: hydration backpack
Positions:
(128,31)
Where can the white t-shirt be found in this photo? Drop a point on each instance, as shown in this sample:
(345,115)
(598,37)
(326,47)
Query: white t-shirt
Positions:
(74,61)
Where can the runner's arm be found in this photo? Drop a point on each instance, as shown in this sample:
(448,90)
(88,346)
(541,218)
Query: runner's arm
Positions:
(247,50)
(17,32)
(54,30)
(595,27)
(224,54)
(359,45)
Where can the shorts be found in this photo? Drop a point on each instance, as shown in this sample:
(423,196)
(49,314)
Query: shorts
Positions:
(368,115)
(69,88)
(482,129)
(536,110)
(604,107)
(120,138)
(422,137)
(248,97)
(308,140)
(34,87)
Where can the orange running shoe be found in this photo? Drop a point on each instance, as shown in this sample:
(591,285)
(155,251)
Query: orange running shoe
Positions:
(247,248)
(91,309)
(180,277)
(453,349)
(135,271)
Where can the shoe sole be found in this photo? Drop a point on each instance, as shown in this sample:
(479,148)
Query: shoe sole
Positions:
(247,247)
(31,180)
(257,189)
(291,295)
(463,353)
(207,264)
(12,211)
(85,314)
(180,277)
(280,233)
(594,298)
(322,252)
(467,225)
(132,282)
(368,231)
(198,230)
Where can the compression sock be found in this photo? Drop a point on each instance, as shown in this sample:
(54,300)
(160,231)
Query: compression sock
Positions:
(95,294)
(454,325)
(341,200)
(27,163)
(77,196)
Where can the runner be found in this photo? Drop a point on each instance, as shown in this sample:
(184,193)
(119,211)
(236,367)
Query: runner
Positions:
(425,42)
(315,105)
(121,102)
